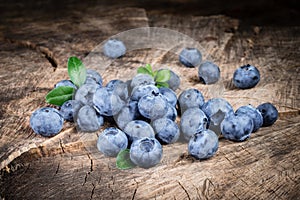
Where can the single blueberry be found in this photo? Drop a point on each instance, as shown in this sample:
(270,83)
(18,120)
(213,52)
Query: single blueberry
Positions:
(237,127)
(46,121)
(119,88)
(88,120)
(166,130)
(70,109)
(141,79)
(192,121)
(114,48)
(269,113)
(92,76)
(153,106)
(190,98)
(246,77)
(127,114)
(171,113)
(65,83)
(208,72)
(86,92)
(254,114)
(203,145)
(111,141)
(190,57)
(146,152)
(174,81)
(216,109)
(137,129)
(169,94)
(142,90)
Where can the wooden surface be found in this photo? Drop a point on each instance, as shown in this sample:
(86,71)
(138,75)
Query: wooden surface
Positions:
(34,50)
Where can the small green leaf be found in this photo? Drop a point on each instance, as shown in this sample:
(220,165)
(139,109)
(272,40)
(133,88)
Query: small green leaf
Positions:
(123,160)
(163,75)
(149,68)
(162,84)
(143,70)
(76,71)
(59,95)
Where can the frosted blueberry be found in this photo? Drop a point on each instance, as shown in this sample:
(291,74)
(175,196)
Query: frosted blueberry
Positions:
(114,48)
(70,109)
(208,72)
(169,94)
(46,121)
(190,57)
(85,93)
(269,113)
(127,114)
(111,141)
(190,98)
(92,76)
(246,77)
(203,144)
(171,113)
(141,79)
(146,152)
(166,130)
(142,90)
(137,129)
(88,120)
(254,114)
(174,81)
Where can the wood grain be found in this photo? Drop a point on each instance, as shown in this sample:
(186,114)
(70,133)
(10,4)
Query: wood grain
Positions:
(68,166)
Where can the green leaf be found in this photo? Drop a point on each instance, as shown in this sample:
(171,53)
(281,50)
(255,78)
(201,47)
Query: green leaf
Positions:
(163,75)
(123,160)
(76,71)
(149,68)
(59,95)
(162,84)
(144,70)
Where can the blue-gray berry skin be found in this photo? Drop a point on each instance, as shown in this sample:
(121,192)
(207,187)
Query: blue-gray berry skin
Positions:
(166,130)
(137,129)
(216,109)
(174,81)
(106,102)
(120,89)
(237,127)
(153,106)
(269,113)
(111,141)
(190,57)
(208,72)
(114,48)
(192,121)
(88,120)
(254,114)
(171,113)
(92,76)
(127,114)
(142,90)
(169,94)
(65,83)
(203,145)
(146,152)
(46,121)
(86,92)
(246,77)
(190,98)
(70,109)
(141,79)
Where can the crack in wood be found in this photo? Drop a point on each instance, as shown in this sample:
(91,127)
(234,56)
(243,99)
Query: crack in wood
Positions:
(93,191)
(40,49)
(135,190)
(186,192)
(206,185)
(61,146)
(57,169)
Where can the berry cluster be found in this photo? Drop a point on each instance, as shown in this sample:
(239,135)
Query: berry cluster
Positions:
(143,110)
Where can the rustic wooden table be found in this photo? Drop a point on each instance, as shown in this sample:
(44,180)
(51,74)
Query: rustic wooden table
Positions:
(36,39)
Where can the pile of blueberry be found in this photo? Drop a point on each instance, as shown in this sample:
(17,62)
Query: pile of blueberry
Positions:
(142,111)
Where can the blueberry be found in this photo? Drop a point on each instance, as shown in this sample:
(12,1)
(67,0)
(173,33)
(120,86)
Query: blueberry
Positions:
(169,94)
(237,127)
(112,83)
(137,129)
(246,77)
(153,106)
(142,90)
(190,57)
(254,114)
(46,121)
(85,93)
(141,79)
(166,130)
(171,113)
(106,102)
(92,76)
(65,83)
(269,113)
(174,80)
(119,88)
(88,120)
(70,109)
(192,121)
(190,98)
(216,109)
(111,141)
(127,114)
(208,73)
(203,144)
(146,152)
(114,48)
